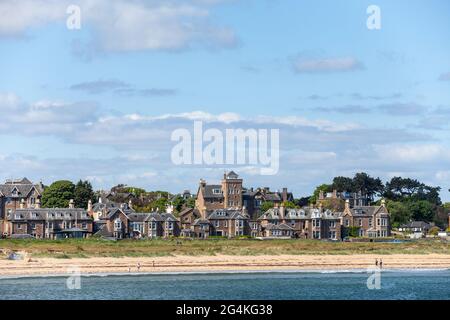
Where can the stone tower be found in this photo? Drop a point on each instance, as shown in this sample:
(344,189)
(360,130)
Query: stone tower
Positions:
(232,190)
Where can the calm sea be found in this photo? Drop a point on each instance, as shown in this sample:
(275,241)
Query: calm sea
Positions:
(426,284)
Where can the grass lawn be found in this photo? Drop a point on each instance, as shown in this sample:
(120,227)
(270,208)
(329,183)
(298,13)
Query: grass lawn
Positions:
(69,248)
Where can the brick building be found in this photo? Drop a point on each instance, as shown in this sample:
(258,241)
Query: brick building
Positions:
(20,191)
(49,223)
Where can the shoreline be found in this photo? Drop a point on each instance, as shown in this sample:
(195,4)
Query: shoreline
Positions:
(220,264)
(227,272)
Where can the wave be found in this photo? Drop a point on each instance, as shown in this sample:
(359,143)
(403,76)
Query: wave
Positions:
(227,272)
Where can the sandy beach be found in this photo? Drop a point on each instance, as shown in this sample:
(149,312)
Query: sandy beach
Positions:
(219,263)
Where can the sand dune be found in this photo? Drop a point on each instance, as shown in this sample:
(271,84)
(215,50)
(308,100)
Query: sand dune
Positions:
(221,263)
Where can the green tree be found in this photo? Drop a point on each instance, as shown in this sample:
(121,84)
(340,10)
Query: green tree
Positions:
(190,203)
(289,205)
(178,203)
(399,213)
(421,210)
(367,185)
(58,194)
(342,184)
(83,193)
(401,189)
(266,205)
(315,196)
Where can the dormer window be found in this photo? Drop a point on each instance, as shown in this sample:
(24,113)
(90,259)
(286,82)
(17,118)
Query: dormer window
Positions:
(217,191)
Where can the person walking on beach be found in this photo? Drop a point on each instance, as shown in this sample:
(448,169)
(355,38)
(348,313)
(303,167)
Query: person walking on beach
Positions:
(381,263)
(139,266)
(153,263)
(376,262)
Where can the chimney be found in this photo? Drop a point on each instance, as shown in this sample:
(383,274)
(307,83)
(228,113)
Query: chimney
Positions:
(130,204)
(22,204)
(383,203)
(285,194)
(282,208)
(89,208)
(202,183)
(321,195)
(334,193)
(71,204)
(38,203)
(347,204)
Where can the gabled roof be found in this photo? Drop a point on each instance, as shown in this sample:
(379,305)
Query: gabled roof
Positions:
(208,191)
(367,210)
(232,175)
(50,214)
(23,188)
(281,226)
(300,214)
(200,221)
(226,214)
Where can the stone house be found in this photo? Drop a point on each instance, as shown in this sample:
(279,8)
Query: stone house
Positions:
(305,223)
(229,223)
(20,192)
(371,221)
(49,223)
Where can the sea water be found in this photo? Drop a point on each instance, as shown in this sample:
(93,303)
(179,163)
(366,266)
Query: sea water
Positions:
(304,285)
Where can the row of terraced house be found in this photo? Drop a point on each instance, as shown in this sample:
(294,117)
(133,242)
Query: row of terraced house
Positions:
(221,210)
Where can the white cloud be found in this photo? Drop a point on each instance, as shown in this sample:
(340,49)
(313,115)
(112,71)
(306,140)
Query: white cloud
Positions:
(121,25)
(18,16)
(417,153)
(326,65)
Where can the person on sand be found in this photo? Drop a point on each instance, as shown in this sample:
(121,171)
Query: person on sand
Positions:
(381,263)
(376,262)
(139,266)
(129,269)
(153,263)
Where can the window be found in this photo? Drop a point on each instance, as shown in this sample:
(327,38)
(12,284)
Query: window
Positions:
(347,222)
(332,224)
(117,224)
(33,226)
(84,225)
(217,223)
(360,222)
(378,221)
(19,226)
(370,222)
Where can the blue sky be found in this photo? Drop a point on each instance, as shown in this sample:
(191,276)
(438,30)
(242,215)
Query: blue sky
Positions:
(100,103)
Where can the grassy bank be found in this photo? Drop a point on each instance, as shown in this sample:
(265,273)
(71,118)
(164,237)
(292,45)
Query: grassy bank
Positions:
(147,248)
